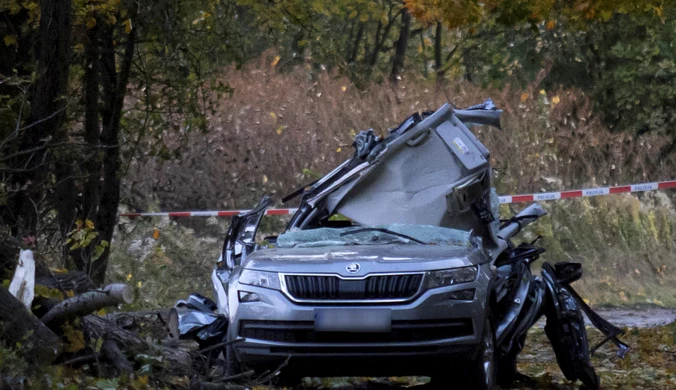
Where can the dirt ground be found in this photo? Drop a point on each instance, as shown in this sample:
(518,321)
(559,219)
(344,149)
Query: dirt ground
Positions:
(650,364)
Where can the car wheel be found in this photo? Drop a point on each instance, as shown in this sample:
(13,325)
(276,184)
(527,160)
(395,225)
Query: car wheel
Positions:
(480,373)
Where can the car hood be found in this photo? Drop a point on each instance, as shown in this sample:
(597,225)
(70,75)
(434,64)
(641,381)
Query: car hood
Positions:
(371,258)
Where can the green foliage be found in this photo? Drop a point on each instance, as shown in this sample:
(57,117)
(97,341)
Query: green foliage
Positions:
(636,73)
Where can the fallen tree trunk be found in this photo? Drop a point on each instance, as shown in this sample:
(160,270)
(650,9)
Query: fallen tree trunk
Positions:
(115,356)
(88,302)
(177,362)
(76,281)
(18,325)
(132,319)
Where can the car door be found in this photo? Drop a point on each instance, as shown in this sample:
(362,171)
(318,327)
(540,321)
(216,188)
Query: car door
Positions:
(240,238)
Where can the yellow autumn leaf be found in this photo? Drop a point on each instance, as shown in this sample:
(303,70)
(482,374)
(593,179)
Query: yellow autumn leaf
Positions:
(139,284)
(10,40)
(143,380)
(543,92)
(339,150)
(89,224)
(91,22)
(75,338)
(556,100)
(343,88)
(129,276)
(623,296)
(127,26)
(275,61)
(551,25)
(280,129)
(156,233)
(265,179)
(273,115)
(524,97)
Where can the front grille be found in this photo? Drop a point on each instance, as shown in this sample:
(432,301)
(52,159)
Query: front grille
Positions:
(331,287)
(402,331)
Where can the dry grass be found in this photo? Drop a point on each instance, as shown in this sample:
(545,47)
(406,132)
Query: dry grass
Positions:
(281,128)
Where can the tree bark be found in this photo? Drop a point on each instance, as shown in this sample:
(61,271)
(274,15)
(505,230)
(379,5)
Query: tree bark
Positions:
(357,42)
(114,91)
(177,362)
(438,63)
(88,302)
(377,45)
(114,355)
(402,44)
(48,105)
(76,281)
(92,126)
(18,325)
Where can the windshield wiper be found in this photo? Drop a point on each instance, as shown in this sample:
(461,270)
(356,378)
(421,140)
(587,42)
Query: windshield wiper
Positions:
(383,230)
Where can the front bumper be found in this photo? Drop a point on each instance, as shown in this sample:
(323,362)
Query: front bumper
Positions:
(427,330)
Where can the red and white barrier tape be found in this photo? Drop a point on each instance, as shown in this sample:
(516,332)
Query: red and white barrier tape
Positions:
(504,199)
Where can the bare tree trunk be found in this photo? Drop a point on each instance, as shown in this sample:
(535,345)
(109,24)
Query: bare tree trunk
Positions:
(114,90)
(18,325)
(47,111)
(92,165)
(357,42)
(377,45)
(92,124)
(401,45)
(424,54)
(438,63)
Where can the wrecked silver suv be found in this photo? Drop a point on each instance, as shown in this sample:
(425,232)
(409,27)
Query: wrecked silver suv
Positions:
(396,263)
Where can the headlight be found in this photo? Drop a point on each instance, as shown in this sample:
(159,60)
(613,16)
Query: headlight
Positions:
(260,279)
(450,277)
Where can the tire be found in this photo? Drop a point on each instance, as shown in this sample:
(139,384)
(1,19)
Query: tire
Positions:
(480,373)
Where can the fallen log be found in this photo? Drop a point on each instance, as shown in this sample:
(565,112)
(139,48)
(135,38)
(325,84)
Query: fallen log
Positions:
(116,357)
(176,361)
(76,281)
(220,386)
(18,325)
(88,302)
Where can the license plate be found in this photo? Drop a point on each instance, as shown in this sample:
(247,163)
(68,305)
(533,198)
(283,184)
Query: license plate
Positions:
(353,320)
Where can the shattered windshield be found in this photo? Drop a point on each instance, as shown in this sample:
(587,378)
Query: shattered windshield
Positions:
(374,235)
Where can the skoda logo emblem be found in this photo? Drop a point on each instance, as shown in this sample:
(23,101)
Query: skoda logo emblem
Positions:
(353,268)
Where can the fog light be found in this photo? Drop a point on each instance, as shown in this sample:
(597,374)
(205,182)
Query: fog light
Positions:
(245,296)
(462,295)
